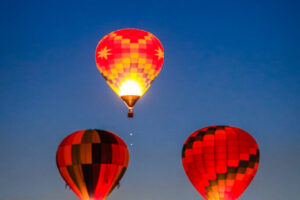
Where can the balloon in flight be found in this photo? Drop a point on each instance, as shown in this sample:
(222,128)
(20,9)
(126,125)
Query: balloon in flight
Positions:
(129,60)
(92,162)
(220,161)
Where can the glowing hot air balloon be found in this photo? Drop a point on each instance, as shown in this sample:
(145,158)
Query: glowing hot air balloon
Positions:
(129,60)
(220,161)
(92,162)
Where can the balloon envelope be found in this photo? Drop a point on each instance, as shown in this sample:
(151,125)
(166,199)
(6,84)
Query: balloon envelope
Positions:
(129,60)
(92,162)
(220,161)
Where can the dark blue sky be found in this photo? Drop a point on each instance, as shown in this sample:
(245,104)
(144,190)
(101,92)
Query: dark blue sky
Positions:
(233,62)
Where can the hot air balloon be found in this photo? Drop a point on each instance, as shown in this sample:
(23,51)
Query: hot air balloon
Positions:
(92,162)
(129,60)
(220,161)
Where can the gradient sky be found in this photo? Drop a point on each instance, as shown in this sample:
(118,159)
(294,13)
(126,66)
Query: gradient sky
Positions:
(226,62)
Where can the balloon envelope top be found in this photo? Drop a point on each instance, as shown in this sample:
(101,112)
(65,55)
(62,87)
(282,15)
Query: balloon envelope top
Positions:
(129,60)
(220,161)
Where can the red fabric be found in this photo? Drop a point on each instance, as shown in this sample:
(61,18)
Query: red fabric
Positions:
(92,162)
(129,54)
(220,161)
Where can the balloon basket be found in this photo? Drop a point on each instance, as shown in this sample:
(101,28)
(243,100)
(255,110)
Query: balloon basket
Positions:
(130,114)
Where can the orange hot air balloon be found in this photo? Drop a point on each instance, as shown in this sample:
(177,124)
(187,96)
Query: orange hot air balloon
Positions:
(220,161)
(92,162)
(129,60)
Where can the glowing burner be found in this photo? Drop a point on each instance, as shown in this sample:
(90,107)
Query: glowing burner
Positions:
(130,87)
(130,92)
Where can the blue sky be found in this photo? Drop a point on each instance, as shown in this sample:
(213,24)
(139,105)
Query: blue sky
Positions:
(233,62)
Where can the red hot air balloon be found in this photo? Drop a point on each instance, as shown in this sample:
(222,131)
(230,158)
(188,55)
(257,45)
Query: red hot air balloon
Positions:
(220,161)
(129,60)
(92,162)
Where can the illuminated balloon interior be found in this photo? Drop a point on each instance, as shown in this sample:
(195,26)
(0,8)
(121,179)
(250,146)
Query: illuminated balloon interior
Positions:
(130,87)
